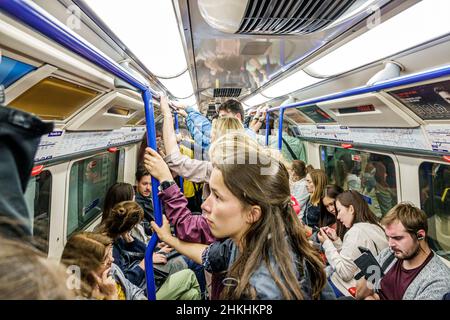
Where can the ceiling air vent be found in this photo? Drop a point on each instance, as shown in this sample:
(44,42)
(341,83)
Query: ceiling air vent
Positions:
(291,17)
(276,17)
(227,92)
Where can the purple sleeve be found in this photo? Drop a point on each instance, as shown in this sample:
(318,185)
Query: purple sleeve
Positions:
(188,227)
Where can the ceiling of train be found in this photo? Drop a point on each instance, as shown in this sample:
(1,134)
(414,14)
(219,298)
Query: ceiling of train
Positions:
(241,49)
(232,57)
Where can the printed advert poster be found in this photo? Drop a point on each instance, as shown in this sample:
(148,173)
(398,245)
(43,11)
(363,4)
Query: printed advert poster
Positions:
(428,101)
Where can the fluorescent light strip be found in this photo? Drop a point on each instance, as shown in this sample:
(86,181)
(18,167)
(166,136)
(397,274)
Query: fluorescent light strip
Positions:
(256,100)
(420,23)
(149,29)
(292,83)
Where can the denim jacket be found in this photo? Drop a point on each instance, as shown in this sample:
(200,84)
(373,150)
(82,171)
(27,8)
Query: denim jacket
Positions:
(220,255)
(199,127)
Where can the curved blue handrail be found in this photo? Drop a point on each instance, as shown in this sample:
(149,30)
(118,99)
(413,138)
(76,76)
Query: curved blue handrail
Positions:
(33,16)
(389,84)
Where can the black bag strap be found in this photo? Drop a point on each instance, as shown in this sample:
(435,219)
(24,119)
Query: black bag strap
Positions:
(289,149)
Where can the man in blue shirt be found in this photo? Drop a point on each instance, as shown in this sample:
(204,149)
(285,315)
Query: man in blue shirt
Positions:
(200,127)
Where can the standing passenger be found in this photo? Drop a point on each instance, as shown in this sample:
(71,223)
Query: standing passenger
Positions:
(266,254)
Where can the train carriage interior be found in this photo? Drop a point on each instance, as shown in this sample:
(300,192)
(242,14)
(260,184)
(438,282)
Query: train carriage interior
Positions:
(361,86)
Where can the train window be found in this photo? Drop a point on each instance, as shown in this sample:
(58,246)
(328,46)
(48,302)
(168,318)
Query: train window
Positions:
(371,174)
(54,99)
(434,183)
(89,180)
(38,197)
(12,70)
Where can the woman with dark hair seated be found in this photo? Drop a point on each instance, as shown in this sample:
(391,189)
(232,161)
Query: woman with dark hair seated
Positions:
(101,279)
(129,252)
(361,229)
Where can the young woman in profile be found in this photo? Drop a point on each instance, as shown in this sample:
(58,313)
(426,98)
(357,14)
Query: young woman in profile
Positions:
(265,254)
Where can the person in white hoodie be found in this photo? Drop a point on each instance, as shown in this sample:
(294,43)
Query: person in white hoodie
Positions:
(361,229)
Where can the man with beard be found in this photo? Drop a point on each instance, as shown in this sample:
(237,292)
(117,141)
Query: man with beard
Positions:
(415,271)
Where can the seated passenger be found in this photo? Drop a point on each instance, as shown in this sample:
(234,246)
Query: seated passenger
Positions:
(118,192)
(266,255)
(384,193)
(345,173)
(299,190)
(103,280)
(328,210)
(143,197)
(128,251)
(412,271)
(316,180)
(362,229)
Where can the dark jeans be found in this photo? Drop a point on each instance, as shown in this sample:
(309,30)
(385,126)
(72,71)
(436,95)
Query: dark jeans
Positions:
(199,273)
(20,133)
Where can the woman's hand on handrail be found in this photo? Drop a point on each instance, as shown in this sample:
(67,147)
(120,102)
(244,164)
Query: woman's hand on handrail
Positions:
(156,166)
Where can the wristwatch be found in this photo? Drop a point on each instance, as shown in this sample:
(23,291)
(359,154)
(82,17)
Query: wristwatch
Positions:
(165,184)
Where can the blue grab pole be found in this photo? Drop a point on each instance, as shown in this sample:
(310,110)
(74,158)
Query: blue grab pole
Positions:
(151,138)
(177,131)
(31,15)
(280,129)
(267,127)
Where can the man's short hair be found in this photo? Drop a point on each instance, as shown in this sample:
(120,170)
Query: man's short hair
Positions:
(411,217)
(141,172)
(232,106)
